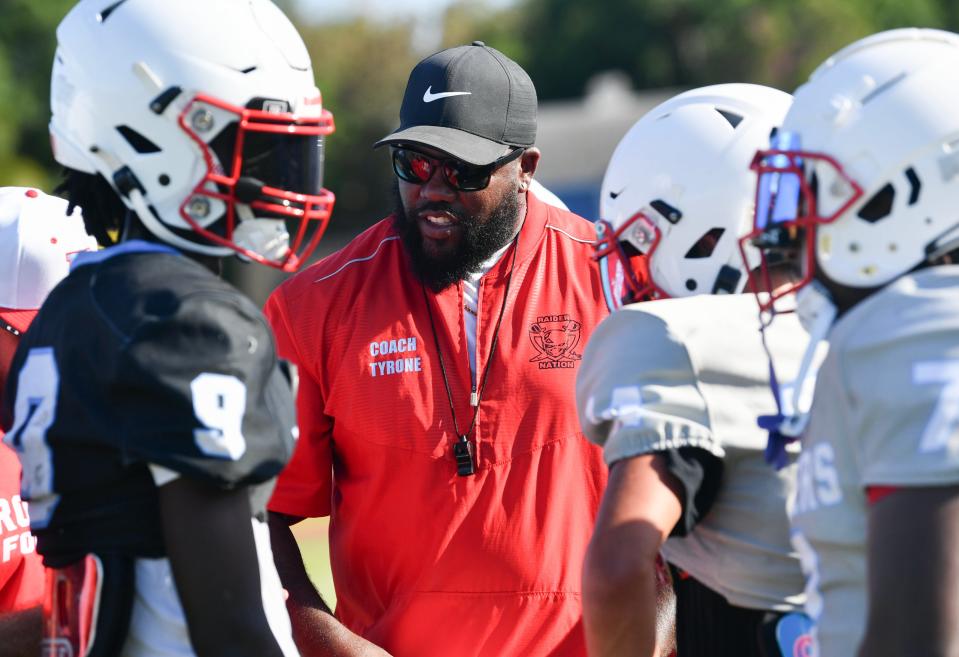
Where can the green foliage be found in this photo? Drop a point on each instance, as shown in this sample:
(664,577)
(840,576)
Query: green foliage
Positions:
(27,43)
(682,43)
(361,69)
(466,21)
(362,66)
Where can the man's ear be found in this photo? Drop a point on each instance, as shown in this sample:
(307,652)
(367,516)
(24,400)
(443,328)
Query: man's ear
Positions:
(527,167)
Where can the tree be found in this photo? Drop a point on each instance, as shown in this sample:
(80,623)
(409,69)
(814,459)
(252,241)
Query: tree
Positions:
(361,69)
(466,21)
(27,44)
(683,43)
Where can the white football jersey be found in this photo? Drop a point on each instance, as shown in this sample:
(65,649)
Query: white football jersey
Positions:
(884,414)
(693,372)
(158,624)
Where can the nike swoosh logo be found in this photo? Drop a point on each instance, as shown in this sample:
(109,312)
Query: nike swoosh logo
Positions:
(429,96)
(613,194)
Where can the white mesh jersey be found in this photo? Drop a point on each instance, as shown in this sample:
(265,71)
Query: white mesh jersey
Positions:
(884,414)
(692,372)
(158,623)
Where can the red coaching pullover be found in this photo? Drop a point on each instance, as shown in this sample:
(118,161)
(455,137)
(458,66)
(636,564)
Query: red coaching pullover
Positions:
(21,571)
(426,562)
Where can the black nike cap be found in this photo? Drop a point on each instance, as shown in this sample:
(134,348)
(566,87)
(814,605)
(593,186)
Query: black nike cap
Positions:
(472,102)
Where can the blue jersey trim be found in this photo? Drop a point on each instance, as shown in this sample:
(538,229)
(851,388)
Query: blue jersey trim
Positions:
(132,246)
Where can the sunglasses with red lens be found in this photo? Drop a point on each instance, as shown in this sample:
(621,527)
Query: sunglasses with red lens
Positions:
(417,168)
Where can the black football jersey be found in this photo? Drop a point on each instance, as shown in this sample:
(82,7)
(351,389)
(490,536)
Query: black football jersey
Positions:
(141,356)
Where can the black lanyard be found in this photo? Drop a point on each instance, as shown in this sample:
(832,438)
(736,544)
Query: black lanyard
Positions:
(463,448)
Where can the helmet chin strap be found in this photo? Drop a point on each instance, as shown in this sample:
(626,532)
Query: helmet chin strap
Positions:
(267,237)
(816,312)
(131,191)
(159,229)
(942,245)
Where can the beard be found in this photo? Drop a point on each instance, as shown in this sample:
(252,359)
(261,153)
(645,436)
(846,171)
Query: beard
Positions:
(479,240)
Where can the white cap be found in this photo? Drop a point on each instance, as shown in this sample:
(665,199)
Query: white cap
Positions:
(38,240)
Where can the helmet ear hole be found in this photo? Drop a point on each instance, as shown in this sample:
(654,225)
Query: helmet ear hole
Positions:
(879,206)
(137,141)
(705,245)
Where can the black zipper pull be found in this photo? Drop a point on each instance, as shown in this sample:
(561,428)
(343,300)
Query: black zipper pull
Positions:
(463,452)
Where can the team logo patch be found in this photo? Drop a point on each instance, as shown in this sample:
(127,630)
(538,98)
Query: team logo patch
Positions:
(555,338)
(794,635)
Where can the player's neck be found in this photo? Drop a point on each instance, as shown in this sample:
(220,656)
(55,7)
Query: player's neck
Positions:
(133,229)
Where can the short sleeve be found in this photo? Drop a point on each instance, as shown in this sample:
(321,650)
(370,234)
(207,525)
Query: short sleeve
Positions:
(200,392)
(637,391)
(304,488)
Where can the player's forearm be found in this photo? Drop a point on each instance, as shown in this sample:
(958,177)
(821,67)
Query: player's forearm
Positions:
(303,598)
(913,607)
(318,634)
(619,606)
(20,633)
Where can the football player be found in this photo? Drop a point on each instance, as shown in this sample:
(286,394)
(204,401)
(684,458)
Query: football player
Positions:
(672,388)
(37,241)
(861,183)
(149,410)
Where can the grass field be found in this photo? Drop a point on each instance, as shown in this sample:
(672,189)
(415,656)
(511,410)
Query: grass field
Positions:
(311,534)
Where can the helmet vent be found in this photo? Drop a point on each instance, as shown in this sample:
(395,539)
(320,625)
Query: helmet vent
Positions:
(105,14)
(914,185)
(733,118)
(161,102)
(670,214)
(705,245)
(879,206)
(139,143)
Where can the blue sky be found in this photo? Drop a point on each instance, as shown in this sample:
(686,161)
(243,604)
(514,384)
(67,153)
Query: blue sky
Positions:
(427,32)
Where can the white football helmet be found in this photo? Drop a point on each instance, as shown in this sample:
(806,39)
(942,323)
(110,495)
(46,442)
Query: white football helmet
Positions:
(203,116)
(863,179)
(678,194)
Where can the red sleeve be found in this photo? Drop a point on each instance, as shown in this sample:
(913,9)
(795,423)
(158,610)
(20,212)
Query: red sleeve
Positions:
(304,487)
